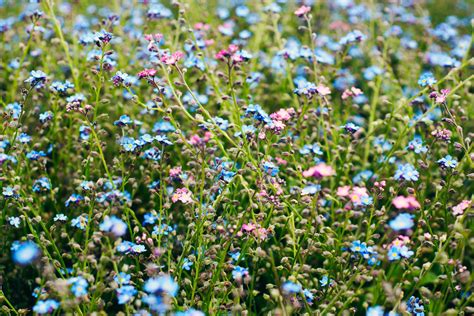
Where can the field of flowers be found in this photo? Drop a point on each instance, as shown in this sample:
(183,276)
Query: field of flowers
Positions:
(232,157)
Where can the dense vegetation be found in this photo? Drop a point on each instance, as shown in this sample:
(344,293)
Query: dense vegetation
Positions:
(236,157)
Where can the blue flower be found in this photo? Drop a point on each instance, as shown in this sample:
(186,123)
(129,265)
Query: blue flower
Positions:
(366,200)
(311,189)
(394,253)
(162,229)
(417,146)
(357,246)
(149,218)
(74,199)
(291,287)
(122,78)
(375,311)
(129,247)
(60,217)
(87,185)
(14,109)
(308,296)
(102,37)
(9,192)
(61,87)
(226,175)
(402,221)
(84,132)
(35,155)
(161,285)
(155,185)
(234,255)
(122,278)
(14,221)
(448,162)
(238,273)
(270,168)
(305,88)
(314,149)
(152,154)
(352,37)
(324,280)
(190,312)
(351,128)
(426,79)
(162,139)
(126,293)
(42,184)
(163,127)
(415,306)
(24,138)
(46,116)
(258,113)
(372,72)
(382,143)
(187,264)
(113,225)
(78,285)
(406,172)
(158,11)
(406,252)
(80,222)
(36,77)
(45,307)
(246,130)
(362,176)
(25,253)
(123,120)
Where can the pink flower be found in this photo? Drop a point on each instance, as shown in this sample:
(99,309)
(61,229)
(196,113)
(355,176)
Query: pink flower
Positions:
(319,171)
(400,241)
(233,48)
(222,54)
(248,227)
(352,92)
(183,195)
(261,233)
(461,207)
(173,59)
(196,140)
(276,126)
(255,229)
(237,58)
(282,114)
(441,98)
(343,191)
(154,37)
(201,26)
(323,90)
(410,203)
(360,191)
(230,52)
(340,26)
(281,161)
(175,172)
(302,10)
(146,73)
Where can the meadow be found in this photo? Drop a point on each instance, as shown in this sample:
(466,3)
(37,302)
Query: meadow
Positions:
(233,157)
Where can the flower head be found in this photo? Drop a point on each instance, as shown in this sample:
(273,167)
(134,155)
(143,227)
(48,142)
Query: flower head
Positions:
(25,253)
(303,10)
(402,221)
(319,171)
